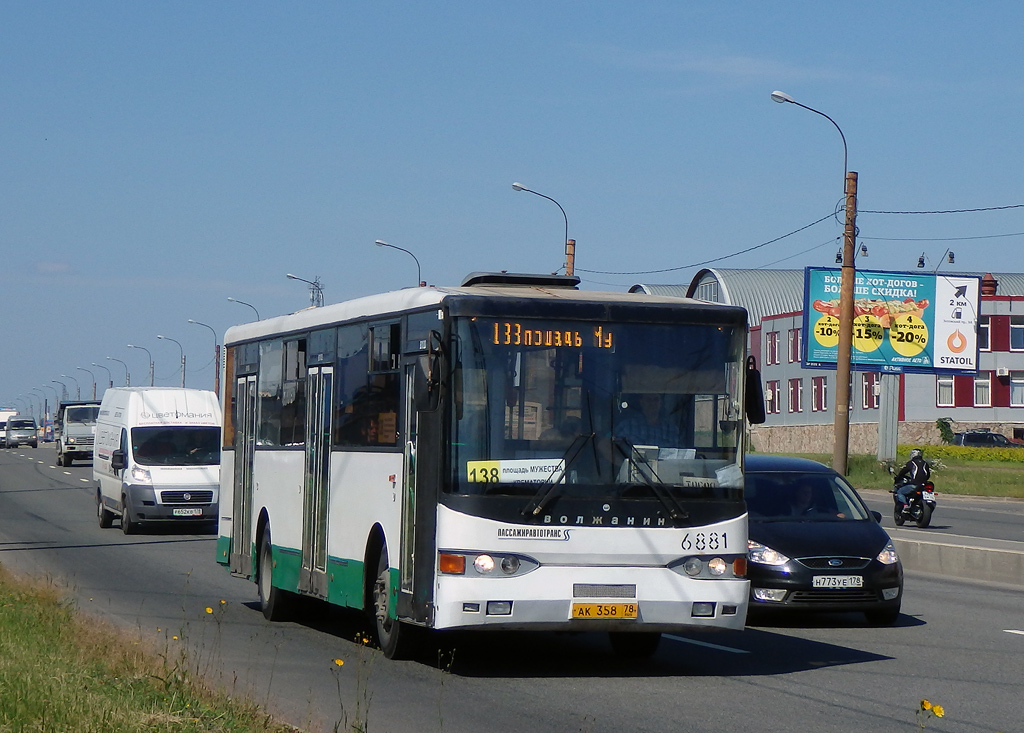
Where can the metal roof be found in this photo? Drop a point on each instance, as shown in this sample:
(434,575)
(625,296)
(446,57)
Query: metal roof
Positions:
(774,292)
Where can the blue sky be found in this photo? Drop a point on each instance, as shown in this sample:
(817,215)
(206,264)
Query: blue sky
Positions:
(161,157)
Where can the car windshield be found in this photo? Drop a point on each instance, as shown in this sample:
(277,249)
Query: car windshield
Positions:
(596,407)
(86,414)
(798,496)
(176,446)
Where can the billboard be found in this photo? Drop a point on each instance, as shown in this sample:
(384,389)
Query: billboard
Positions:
(902,321)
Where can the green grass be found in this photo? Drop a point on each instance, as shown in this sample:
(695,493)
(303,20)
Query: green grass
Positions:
(955,470)
(62,671)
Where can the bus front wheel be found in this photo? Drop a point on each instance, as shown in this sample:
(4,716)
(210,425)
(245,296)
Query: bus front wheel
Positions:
(393,637)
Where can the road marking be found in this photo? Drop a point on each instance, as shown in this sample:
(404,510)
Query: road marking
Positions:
(84,480)
(706,644)
(1014,631)
(67,473)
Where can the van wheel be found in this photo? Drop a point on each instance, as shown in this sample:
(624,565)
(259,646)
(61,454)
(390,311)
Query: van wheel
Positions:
(105,516)
(127,525)
(276,604)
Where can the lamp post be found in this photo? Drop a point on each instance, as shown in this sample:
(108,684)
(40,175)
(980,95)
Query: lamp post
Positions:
(91,374)
(181,351)
(110,377)
(216,355)
(63,391)
(43,407)
(316,291)
(151,364)
(236,300)
(841,447)
(78,388)
(419,272)
(127,375)
(570,244)
(56,394)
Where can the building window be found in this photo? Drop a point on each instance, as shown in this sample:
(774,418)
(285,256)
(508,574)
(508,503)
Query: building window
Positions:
(708,290)
(983,390)
(819,394)
(1016,389)
(771,347)
(794,345)
(944,391)
(1016,333)
(796,395)
(772,397)
(984,342)
(869,390)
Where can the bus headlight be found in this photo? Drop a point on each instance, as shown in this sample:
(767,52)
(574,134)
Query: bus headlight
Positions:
(717,566)
(454,562)
(484,564)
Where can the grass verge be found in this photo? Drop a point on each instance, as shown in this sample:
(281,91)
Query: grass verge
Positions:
(63,671)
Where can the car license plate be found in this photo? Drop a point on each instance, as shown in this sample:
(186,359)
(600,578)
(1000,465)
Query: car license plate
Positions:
(191,511)
(604,610)
(837,581)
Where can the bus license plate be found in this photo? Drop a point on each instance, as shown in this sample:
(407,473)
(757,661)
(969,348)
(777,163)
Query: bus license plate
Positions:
(604,610)
(191,511)
(837,581)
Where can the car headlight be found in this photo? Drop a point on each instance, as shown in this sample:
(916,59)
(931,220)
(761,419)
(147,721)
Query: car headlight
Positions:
(756,552)
(888,555)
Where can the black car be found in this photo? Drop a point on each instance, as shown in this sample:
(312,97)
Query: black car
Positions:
(984,439)
(814,545)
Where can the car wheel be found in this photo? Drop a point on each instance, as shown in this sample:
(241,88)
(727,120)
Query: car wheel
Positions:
(276,604)
(104,515)
(127,525)
(635,644)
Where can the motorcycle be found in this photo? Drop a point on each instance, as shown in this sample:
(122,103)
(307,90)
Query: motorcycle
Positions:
(919,507)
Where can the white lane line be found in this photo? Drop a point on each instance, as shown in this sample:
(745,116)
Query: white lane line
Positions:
(67,473)
(1014,631)
(84,480)
(706,644)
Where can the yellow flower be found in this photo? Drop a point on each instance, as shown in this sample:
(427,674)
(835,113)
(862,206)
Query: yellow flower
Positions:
(939,712)
(925,705)
(175,638)
(339,662)
(223,602)
(209,610)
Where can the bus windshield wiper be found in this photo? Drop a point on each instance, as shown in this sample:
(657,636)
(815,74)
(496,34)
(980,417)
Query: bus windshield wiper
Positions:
(645,470)
(555,482)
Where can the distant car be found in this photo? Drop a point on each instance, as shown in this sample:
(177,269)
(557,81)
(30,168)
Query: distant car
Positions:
(21,431)
(814,545)
(984,439)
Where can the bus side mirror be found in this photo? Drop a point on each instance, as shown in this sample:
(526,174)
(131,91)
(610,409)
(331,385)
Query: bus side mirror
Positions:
(117,461)
(754,393)
(428,375)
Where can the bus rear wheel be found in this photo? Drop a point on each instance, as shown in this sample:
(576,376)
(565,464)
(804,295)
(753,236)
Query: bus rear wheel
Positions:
(634,644)
(394,637)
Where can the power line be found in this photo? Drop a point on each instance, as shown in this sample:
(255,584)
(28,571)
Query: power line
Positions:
(941,239)
(947,211)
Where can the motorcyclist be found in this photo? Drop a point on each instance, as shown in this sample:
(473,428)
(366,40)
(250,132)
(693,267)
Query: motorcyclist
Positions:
(911,476)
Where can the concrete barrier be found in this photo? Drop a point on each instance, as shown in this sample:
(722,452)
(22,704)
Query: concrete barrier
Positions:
(957,556)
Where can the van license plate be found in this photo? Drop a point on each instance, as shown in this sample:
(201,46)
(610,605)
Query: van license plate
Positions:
(837,581)
(604,610)
(191,511)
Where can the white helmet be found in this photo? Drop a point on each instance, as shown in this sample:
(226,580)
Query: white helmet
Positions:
(915,453)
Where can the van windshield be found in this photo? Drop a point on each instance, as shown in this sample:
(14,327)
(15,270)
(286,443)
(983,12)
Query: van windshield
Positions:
(85,414)
(21,424)
(176,446)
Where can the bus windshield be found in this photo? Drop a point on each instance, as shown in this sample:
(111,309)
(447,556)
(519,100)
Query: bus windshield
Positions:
(596,409)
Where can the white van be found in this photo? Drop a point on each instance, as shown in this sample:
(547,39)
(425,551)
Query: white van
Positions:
(157,456)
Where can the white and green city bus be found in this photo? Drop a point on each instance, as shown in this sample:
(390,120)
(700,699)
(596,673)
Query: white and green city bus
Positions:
(509,454)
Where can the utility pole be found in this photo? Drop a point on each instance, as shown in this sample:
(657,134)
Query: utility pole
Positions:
(841,449)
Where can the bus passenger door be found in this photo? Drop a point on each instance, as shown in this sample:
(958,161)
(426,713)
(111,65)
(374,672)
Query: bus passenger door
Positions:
(316,483)
(241,504)
(407,552)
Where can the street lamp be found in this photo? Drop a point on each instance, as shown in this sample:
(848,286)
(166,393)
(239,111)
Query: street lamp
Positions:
(841,447)
(43,407)
(78,388)
(236,300)
(64,390)
(56,394)
(316,291)
(181,350)
(419,272)
(151,364)
(127,375)
(110,377)
(93,375)
(216,355)
(570,244)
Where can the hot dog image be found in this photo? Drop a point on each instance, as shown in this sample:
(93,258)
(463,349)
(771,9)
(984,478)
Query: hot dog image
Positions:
(884,310)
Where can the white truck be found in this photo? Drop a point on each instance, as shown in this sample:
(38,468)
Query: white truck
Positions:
(74,430)
(157,456)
